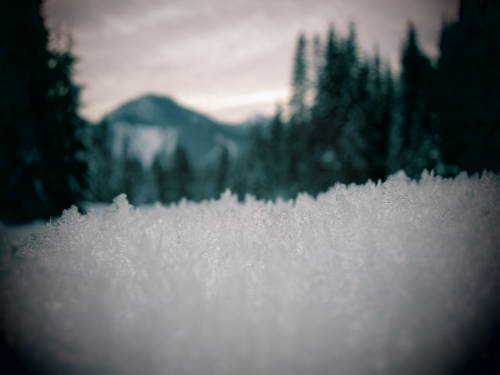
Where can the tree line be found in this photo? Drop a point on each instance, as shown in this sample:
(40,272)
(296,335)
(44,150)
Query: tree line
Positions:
(351,119)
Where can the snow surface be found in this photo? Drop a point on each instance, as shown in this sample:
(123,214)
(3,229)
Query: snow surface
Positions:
(375,279)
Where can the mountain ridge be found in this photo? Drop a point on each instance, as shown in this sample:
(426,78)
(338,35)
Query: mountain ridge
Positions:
(151,107)
(152,123)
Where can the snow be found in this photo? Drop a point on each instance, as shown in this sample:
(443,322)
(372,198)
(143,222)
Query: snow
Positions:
(381,279)
(146,141)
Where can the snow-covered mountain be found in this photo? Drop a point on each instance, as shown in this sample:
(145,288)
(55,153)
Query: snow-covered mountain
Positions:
(152,123)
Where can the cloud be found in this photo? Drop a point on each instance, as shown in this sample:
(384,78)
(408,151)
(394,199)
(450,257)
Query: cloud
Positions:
(219,48)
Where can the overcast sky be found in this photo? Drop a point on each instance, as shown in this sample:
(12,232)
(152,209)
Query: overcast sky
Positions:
(228,58)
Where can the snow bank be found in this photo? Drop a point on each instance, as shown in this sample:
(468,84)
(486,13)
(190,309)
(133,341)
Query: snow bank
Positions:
(390,278)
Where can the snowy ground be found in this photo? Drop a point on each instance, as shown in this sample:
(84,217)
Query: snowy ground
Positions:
(376,279)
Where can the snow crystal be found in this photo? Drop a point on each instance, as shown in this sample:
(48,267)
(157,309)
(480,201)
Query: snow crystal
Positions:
(381,278)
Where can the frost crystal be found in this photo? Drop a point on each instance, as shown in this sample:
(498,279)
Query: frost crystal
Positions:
(363,279)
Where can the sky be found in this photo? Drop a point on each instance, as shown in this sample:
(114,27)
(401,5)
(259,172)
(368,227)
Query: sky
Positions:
(230,59)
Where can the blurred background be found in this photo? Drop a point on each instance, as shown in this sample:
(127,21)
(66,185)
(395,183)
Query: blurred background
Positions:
(165,100)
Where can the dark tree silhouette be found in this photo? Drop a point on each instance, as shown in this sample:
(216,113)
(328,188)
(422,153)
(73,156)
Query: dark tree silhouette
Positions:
(417,76)
(182,175)
(380,119)
(469,86)
(162,176)
(223,164)
(300,83)
(41,161)
(277,158)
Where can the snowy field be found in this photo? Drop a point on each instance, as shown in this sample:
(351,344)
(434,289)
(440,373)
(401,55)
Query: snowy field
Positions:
(376,279)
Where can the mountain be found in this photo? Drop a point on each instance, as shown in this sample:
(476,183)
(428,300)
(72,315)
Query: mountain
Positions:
(152,123)
(257,119)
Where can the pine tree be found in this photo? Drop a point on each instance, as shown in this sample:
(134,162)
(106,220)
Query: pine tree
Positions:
(327,92)
(61,143)
(468,89)
(379,119)
(324,129)
(162,176)
(417,75)
(388,115)
(298,101)
(104,169)
(353,146)
(239,176)
(133,174)
(337,114)
(182,175)
(277,163)
(352,107)
(295,141)
(318,62)
(222,178)
(40,163)
(256,179)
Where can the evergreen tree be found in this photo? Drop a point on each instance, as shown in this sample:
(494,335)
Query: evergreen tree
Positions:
(61,142)
(298,101)
(182,175)
(239,176)
(133,174)
(40,162)
(337,115)
(104,169)
(352,113)
(468,89)
(318,61)
(327,91)
(222,178)
(295,141)
(277,163)
(417,143)
(388,119)
(324,129)
(256,179)
(379,118)
(161,175)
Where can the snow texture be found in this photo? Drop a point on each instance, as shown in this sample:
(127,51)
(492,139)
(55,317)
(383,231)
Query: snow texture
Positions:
(374,279)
